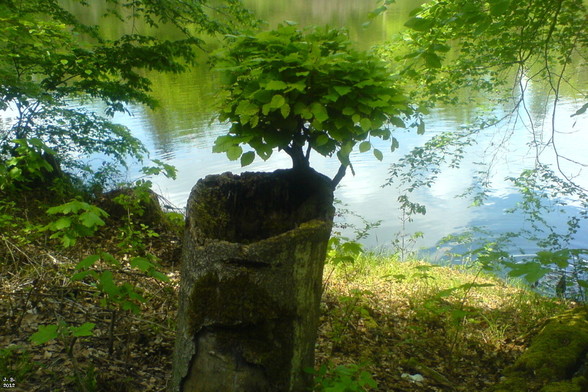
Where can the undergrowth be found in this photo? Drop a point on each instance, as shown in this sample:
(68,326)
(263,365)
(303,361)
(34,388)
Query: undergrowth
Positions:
(98,314)
(418,326)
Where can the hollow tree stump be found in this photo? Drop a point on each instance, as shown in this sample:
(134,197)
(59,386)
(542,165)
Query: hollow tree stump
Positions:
(251,282)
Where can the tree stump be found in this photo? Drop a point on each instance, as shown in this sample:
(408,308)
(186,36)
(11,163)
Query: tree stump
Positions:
(251,282)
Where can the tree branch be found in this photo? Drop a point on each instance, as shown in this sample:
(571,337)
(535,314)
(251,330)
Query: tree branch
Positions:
(339,176)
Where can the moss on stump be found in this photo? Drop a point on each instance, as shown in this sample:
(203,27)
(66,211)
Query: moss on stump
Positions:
(556,360)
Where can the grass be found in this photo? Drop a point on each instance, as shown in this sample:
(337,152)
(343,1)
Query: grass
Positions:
(456,327)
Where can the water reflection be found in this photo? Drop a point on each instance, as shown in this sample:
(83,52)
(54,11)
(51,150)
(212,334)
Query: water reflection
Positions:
(179,133)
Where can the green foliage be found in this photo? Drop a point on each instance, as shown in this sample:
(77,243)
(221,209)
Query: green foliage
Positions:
(62,331)
(27,164)
(16,362)
(456,44)
(49,57)
(67,335)
(292,89)
(343,378)
(124,295)
(353,311)
(76,219)
(342,251)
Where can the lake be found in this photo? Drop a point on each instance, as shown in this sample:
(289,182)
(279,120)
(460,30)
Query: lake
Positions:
(180,133)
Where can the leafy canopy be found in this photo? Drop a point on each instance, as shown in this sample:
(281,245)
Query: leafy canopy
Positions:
(490,46)
(49,57)
(298,90)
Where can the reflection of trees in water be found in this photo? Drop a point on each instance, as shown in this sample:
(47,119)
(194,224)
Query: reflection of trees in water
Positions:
(351,14)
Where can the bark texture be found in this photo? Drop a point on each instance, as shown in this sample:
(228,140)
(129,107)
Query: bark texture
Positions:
(252,266)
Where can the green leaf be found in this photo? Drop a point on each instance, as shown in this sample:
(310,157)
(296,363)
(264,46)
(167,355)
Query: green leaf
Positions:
(264,151)
(365,124)
(319,111)
(110,259)
(394,144)
(81,275)
(348,111)
(107,284)
(141,263)
(321,140)
(265,109)
(66,240)
(87,262)
(419,24)
(432,60)
(234,152)
(365,146)
(277,102)
(83,330)
(276,85)
(499,7)
(342,90)
(421,128)
(285,110)
(300,86)
(91,220)
(246,108)
(61,223)
(247,158)
(159,276)
(45,333)
(397,122)
(532,271)
(378,154)
(580,111)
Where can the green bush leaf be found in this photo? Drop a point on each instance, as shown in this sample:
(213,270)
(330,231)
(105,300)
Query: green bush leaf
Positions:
(432,59)
(499,7)
(141,263)
(342,90)
(87,262)
(276,85)
(365,124)
(378,154)
(285,110)
(580,111)
(90,219)
(321,140)
(398,122)
(247,158)
(419,24)
(246,108)
(348,111)
(159,276)
(83,330)
(421,128)
(394,145)
(365,146)
(319,111)
(81,275)
(61,223)
(107,284)
(234,152)
(45,333)
(277,102)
